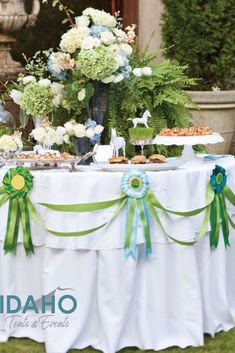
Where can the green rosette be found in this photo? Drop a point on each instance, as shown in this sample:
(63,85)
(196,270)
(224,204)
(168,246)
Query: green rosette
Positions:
(17,183)
(218,210)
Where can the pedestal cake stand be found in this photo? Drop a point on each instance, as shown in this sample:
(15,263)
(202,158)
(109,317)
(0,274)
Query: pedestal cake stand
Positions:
(188,156)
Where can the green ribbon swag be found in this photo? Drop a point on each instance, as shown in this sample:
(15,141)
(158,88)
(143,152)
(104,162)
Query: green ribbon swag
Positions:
(17,182)
(136,195)
(134,190)
(141,203)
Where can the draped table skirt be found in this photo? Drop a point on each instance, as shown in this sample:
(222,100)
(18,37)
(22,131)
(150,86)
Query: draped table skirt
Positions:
(169,299)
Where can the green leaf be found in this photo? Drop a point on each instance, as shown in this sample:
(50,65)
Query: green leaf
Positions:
(24,118)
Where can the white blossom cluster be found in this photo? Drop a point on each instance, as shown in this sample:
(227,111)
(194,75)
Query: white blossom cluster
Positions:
(92,29)
(80,130)
(49,136)
(11,143)
(144,71)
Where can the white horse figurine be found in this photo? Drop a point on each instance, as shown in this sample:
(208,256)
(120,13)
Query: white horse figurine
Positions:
(118,142)
(143,120)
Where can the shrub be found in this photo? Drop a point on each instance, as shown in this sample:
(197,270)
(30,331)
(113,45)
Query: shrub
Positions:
(200,34)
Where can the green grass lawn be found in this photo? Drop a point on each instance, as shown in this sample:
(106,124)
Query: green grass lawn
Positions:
(222,343)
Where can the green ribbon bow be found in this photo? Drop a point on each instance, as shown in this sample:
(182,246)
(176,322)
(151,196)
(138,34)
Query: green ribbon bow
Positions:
(17,182)
(215,207)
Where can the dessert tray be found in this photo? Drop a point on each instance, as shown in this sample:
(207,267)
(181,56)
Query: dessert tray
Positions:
(49,160)
(188,140)
(169,164)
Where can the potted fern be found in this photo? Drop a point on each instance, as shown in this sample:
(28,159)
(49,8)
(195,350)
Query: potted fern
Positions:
(201,35)
(159,88)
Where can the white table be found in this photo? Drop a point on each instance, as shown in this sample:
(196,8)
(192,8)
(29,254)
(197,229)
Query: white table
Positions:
(172,298)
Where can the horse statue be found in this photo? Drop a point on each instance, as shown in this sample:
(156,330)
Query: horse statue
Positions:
(143,120)
(118,142)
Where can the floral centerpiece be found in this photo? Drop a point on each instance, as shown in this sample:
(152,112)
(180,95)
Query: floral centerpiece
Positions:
(94,52)
(81,135)
(96,46)
(11,143)
(97,67)
(37,97)
(47,136)
(71,133)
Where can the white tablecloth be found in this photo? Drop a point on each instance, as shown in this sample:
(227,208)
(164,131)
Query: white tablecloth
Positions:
(169,299)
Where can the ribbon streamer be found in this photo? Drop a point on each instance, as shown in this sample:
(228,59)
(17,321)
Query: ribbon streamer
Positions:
(17,182)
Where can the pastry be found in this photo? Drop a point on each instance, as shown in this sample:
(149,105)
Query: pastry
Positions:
(138,160)
(118,160)
(45,156)
(191,131)
(157,158)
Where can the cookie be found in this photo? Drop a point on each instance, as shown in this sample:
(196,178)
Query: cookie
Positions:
(157,158)
(118,160)
(138,160)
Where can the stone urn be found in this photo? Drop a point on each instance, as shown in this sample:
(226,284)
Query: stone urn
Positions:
(12,18)
(216,110)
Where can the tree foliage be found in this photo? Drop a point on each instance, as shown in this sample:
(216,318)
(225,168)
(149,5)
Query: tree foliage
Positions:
(201,34)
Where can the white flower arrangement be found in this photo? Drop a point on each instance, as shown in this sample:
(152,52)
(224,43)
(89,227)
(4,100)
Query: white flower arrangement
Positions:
(11,143)
(49,136)
(90,129)
(96,46)
(72,39)
(38,97)
(100,17)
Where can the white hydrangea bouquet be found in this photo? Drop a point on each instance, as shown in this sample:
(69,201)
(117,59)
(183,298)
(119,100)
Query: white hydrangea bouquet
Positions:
(90,129)
(11,143)
(47,136)
(95,49)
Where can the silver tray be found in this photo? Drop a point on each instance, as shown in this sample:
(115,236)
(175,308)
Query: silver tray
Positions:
(44,164)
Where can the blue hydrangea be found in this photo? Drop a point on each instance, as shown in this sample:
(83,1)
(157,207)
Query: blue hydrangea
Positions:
(126,68)
(90,124)
(95,139)
(95,30)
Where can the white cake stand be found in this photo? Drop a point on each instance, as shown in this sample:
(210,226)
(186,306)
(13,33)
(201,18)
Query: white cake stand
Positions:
(188,156)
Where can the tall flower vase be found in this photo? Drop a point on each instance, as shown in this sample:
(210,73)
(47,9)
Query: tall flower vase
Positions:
(98,104)
(81,147)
